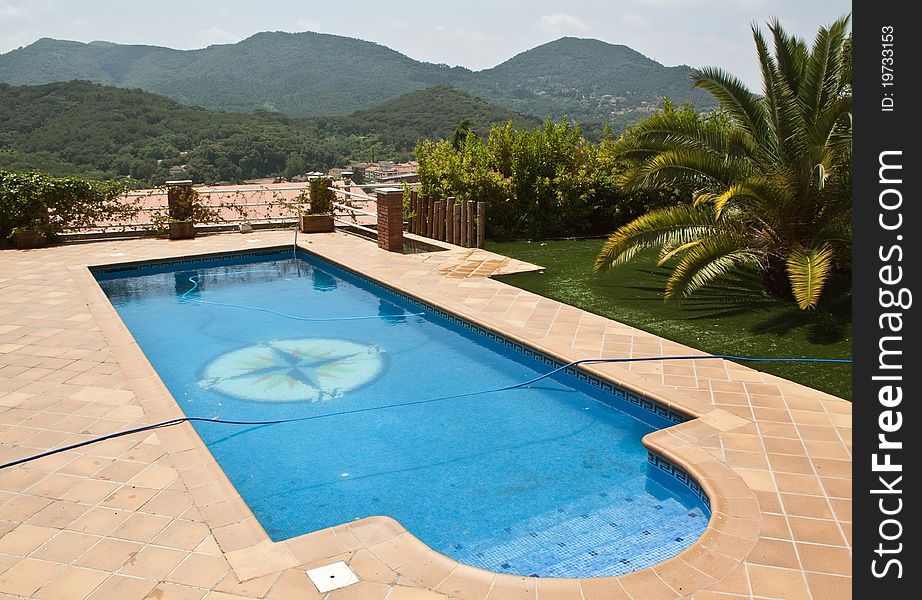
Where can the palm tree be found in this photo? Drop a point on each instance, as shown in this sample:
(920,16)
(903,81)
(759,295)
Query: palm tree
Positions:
(769,175)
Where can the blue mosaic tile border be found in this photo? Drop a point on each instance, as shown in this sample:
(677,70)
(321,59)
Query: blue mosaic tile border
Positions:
(668,467)
(202,258)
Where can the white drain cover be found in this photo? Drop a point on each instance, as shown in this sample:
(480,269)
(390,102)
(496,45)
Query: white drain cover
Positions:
(332,577)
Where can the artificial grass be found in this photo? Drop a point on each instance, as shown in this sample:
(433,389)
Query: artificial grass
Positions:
(733,317)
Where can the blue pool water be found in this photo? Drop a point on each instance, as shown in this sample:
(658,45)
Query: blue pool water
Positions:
(548,480)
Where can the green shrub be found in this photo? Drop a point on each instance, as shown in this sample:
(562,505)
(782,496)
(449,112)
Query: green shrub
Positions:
(51,205)
(542,183)
(181,202)
(321,197)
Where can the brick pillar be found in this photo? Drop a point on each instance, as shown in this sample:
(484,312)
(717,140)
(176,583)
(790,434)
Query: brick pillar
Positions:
(390,219)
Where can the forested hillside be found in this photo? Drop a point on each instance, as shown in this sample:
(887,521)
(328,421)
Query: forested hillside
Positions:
(102,131)
(433,113)
(313,74)
(305,74)
(588,80)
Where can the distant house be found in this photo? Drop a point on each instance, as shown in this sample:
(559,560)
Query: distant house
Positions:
(402,178)
(177,170)
(358,171)
(389,171)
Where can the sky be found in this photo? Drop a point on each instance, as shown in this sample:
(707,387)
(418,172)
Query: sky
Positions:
(476,34)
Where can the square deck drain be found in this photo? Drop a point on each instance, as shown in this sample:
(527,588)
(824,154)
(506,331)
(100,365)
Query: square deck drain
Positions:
(332,577)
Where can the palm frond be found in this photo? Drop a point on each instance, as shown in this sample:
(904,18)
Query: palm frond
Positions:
(668,252)
(686,168)
(769,76)
(733,95)
(676,130)
(831,124)
(706,196)
(761,191)
(790,55)
(824,69)
(808,271)
(705,262)
(674,225)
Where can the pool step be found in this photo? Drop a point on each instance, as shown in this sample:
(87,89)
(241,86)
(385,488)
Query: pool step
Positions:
(573,539)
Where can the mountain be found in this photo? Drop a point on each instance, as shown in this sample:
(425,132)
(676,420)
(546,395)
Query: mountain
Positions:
(303,74)
(84,128)
(586,79)
(314,74)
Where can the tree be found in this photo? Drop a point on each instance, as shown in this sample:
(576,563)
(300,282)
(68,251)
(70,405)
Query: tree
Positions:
(769,176)
(461,133)
(537,183)
(294,166)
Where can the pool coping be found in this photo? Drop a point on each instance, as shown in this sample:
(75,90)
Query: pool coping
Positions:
(731,533)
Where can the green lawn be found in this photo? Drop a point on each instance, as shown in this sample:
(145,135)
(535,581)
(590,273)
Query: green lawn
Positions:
(731,318)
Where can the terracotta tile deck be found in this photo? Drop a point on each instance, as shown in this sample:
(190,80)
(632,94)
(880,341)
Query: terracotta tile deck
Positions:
(152,515)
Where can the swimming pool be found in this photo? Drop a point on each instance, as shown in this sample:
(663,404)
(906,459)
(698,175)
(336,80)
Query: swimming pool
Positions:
(546,480)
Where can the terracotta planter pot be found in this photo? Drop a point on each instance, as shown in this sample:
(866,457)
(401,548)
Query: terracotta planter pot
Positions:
(181,230)
(28,238)
(316,223)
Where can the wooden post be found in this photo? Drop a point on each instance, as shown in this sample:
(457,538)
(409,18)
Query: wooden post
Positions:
(446,220)
(449,212)
(467,234)
(452,222)
(414,221)
(439,219)
(456,224)
(481,223)
(422,215)
(410,216)
(463,240)
(429,221)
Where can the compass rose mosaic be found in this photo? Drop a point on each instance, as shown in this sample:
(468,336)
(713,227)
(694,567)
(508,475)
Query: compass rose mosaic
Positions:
(308,369)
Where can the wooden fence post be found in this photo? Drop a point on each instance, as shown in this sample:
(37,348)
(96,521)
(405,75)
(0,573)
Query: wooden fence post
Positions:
(481,223)
(439,219)
(463,241)
(443,235)
(414,220)
(456,224)
(424,215)
(470,223)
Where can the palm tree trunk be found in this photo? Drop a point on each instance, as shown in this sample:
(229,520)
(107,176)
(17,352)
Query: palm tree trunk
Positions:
(775,280)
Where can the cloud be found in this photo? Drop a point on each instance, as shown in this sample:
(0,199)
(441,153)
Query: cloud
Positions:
(8,11)
(561,21)
(635,20)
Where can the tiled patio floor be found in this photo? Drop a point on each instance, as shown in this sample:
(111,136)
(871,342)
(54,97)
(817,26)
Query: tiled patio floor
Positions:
(152,515)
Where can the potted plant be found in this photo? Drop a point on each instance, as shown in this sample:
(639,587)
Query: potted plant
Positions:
(28,237)
(319,216)
(181,202)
